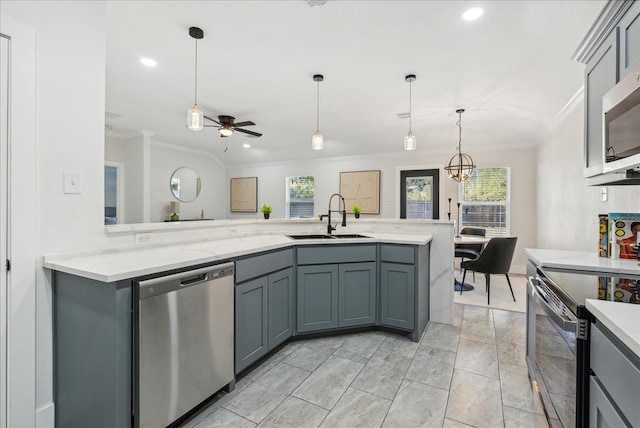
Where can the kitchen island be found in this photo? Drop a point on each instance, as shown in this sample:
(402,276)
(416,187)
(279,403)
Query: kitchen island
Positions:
(94,295)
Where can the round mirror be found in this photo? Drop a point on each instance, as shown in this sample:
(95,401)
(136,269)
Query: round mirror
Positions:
(185,184)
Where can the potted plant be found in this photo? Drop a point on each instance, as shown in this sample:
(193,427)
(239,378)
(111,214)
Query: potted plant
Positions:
(266,210)
(355,208)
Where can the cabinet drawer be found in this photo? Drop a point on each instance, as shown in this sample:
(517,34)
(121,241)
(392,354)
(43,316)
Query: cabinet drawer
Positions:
(253,267)
(619,376)
(336,254)
(397,254)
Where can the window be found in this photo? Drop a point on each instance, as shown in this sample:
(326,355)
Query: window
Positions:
(300,197)
(484,201)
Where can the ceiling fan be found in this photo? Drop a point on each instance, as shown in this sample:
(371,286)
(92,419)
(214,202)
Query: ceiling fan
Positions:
(226,126)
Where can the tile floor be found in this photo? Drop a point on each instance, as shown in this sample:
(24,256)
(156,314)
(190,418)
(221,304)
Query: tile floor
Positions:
(500,294)
(471,374)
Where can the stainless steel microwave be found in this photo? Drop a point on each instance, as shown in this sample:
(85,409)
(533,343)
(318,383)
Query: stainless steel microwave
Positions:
(621,124)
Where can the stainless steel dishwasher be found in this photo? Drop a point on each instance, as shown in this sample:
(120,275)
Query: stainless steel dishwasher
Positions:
(185,341)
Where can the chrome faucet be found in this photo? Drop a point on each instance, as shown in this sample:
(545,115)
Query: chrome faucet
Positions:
(329,211)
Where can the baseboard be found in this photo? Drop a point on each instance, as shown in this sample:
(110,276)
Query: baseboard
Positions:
(518,269)
(46,416)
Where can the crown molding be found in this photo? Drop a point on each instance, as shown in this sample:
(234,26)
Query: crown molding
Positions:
(604,24)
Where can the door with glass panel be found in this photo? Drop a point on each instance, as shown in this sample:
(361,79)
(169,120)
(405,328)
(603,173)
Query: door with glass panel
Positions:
(419,194)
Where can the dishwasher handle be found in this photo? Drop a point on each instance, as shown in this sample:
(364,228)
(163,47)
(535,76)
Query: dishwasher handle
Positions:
(166,284)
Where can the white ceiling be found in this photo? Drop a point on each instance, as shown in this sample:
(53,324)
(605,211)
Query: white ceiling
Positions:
(511,70)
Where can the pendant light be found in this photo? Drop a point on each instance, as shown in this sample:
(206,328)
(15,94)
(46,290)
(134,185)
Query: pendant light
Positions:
(195,117)
(410,139)
(460,165)
(317,141)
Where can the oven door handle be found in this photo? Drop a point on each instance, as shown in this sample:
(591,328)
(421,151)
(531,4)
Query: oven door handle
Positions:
(564,322)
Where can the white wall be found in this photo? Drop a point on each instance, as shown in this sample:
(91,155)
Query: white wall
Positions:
(70,69)
(567,209)
(271,185)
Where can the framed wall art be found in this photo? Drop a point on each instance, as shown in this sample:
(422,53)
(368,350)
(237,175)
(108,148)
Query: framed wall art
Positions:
(361,188)
(244,195)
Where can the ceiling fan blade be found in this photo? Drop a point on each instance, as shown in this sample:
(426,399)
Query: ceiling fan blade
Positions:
(255,134)
(247,123)
(211,119)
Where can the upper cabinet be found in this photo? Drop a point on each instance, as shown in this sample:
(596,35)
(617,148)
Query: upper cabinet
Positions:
(629,28)
(601,75)
(611,51)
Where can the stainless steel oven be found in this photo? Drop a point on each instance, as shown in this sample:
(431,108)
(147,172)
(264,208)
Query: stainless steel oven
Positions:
(558,325)
(557,352)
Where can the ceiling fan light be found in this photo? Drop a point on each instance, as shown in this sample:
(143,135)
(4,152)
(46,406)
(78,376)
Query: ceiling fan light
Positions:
(226,131)
(317,141)
(195,118)
(410,142)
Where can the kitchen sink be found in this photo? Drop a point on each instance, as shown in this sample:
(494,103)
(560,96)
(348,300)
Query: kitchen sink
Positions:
(344,236)
(310,236)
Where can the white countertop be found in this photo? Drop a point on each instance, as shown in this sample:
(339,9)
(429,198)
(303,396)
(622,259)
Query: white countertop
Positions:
(621,319)
(110,266)
(582,260)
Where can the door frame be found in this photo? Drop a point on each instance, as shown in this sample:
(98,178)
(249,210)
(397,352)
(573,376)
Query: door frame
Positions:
(399,196)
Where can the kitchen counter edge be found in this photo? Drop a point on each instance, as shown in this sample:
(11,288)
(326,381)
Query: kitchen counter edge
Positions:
(622,320)
(111,266)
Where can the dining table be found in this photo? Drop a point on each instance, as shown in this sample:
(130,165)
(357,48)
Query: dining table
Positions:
(467,239)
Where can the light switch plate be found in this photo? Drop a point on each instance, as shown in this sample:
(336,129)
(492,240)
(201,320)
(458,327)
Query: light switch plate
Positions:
(72,183)
(603,194)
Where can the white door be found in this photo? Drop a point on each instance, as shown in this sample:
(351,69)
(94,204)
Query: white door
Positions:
(4,221)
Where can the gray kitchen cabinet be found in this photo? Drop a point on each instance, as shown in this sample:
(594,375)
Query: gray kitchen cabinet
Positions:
(601,75)
(252,323)
(92,352)
(615,382)
(630,39)
(397,291)
(356,294)
(404,288)
(263,305)
(336,287)
(602,412)
(280,307)
(317,297)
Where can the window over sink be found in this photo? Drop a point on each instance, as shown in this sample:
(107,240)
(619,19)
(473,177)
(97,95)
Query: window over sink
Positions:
(299,197)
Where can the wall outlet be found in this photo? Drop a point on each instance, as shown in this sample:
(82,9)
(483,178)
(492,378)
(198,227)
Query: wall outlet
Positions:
(142,238)
(233,230)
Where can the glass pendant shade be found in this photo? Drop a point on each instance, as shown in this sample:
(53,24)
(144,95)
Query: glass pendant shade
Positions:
(460,167)
(195,118)
(317,141)
(410,141)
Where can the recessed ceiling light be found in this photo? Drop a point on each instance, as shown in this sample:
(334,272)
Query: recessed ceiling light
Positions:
(472,14)
(148,62)
(246,146)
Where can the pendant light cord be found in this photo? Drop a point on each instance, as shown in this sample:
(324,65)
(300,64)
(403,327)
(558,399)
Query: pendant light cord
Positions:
(459,123)
(196,90)
(318,109)
(410,82)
